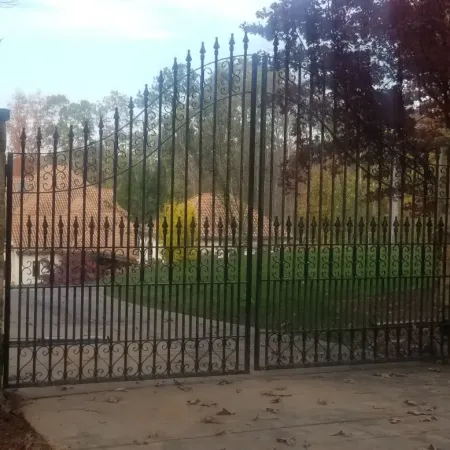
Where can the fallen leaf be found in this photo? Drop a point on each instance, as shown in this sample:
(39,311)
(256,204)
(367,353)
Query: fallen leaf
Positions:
(113,399)
(349,381)
(410,403)
(256,418)
(153,435)
(342,433)
(394,420)
(159,383)
(225,412)
(181,387)
(322,402)
(238,391)
(223,382)
(429,419)
(430,408)
(275,394)
(382,375)
(211,419)
(398,374)
(272,410)
(209,404)
(434,369)
(276,400)
(290,442)
(102,422)
(220,433)
(281,388)
(415,412)
(120,390)
(378,407)
(193,402)
(306,445)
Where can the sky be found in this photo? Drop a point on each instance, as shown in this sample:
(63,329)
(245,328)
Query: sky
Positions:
(86,48)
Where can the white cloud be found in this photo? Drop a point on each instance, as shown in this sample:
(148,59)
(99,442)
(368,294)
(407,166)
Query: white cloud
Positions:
(125,19)
(86,18)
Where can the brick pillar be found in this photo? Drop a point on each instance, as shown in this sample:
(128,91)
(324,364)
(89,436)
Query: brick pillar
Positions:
(4,117)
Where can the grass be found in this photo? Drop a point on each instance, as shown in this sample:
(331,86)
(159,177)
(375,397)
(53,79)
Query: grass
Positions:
(315,288)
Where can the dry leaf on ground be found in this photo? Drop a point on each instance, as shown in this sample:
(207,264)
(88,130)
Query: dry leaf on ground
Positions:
(225,412)
(276,400)
(434,369)
(429,419)
(120,390)
(410,403)
(281,388)
(342,433)
(184,388)
(238,391)
(153,435)
(223,382)
(275,394)
(193,402)
(113,399)
(306,444)
(211,419)
(378,407)
(394,420)
(415,412)
(382,375)
(322,402)
(290,442)
(209,404)
(220,433)
(272,410)
(349,381)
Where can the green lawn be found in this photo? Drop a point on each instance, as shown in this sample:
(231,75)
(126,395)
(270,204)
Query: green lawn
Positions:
(313,288)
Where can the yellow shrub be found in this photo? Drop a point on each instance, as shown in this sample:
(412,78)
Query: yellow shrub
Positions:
(175,226)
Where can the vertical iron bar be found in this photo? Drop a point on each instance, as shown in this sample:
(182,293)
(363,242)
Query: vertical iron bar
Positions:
(52,251)
(97,268)
(261,181)
(68,246)
(23,138)
(270,323)
(129,243)
(157,225)
(7,306)
(227,212)
(83,245)
(113,252)
(172,199)
(241,195)
(213,210)
(251,182)
(283,297)
(199,216)
(143,219)
(36,252)
(186,254)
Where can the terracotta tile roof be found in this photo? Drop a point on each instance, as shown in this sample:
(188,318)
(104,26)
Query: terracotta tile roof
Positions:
(220,213)
(65,234)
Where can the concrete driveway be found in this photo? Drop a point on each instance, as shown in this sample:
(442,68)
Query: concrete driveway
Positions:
(386,407)
(118,338)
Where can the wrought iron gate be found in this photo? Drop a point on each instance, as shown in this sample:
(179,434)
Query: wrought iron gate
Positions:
(226,218)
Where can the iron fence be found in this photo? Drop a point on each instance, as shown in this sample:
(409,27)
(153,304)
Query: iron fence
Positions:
(237,218)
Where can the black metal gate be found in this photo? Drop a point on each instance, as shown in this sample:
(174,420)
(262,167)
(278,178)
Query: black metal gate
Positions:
(226,218)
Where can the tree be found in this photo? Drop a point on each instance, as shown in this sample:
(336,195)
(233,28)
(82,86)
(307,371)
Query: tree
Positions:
(356,89)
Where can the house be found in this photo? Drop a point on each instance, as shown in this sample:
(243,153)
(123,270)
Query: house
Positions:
(56,216)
